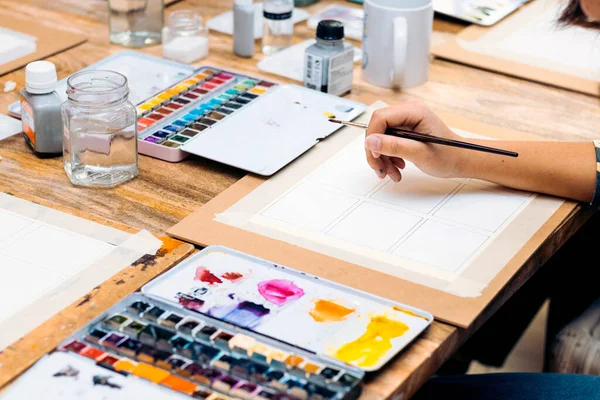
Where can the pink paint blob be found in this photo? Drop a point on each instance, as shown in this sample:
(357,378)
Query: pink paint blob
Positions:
(280,291)
(204,275)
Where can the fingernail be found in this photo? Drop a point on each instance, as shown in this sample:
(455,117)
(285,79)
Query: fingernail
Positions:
(375,155)
(373,143)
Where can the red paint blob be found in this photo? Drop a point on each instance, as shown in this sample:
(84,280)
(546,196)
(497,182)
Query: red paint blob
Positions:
(232,276)
(204,275)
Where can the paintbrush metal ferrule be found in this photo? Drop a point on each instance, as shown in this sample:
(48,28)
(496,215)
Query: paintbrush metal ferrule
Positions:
(348,123)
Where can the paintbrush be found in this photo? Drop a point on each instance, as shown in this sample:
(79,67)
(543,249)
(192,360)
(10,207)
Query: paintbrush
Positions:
(421,137)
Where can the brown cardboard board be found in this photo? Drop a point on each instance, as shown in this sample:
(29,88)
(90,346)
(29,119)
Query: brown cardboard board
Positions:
(452,50)
(49,41)
(201,228)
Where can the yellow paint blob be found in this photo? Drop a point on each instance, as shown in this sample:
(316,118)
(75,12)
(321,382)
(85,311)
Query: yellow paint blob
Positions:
(328,311)
(367,350)
(328,114)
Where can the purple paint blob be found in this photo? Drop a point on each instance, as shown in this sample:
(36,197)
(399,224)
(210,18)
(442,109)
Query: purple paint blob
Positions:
(247,314)
(280,291)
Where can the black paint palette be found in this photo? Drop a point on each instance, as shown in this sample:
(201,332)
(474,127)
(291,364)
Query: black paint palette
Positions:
(203,357)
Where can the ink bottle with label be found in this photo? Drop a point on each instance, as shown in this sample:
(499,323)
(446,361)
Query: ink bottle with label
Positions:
(40,110)
(329,63)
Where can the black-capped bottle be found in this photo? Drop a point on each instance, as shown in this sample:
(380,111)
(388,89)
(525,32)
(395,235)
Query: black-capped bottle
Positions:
(329,63)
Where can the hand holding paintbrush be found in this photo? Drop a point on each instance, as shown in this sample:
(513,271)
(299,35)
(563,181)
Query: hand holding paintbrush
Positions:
(421,137)
(412,132)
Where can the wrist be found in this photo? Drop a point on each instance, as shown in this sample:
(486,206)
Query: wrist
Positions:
(464,162)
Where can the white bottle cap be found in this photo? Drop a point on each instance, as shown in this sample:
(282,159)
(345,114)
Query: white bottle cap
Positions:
(40,77)
(242,3)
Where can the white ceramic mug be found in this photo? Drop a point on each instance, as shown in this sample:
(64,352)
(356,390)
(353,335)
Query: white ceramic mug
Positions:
(396,40)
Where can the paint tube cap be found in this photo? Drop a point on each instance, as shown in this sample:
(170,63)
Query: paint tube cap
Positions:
(40,77)
(330,29)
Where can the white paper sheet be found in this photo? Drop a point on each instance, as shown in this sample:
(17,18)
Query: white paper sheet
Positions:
(452,235)
(14,45)
(437,222)
(35,258)
(49,259)
(9,126)
(533,37)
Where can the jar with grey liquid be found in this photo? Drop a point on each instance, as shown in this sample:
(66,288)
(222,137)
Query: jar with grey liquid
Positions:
(99,130)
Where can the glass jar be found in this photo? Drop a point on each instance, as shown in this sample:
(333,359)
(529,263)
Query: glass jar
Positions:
(99,130)
(279,26)
(185,38)
(135,23)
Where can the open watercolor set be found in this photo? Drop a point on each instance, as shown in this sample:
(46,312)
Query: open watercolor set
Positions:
(224,324)
(238,120)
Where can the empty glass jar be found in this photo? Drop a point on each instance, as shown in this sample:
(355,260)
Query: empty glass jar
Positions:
(135,23)
(99,130)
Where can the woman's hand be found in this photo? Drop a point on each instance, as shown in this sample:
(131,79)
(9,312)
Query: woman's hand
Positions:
(387,154)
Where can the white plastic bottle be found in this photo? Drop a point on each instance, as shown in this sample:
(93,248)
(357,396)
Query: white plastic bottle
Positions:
(279,28)
(243,28)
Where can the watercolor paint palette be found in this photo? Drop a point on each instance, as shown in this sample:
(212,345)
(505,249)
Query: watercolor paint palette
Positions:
(319,316)
(202,357)
(238,120)
(183,111)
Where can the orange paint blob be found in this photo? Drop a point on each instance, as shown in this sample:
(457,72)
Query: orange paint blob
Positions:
(328,311)
(374,344)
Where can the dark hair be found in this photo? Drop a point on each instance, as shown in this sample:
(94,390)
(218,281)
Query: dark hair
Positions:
(573,15)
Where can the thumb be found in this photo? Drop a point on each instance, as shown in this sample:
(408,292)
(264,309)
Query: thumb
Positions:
(393,146)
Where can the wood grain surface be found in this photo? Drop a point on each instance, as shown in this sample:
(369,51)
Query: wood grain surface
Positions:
(165,193)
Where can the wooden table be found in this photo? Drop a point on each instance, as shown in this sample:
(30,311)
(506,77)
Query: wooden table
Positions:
(165,193)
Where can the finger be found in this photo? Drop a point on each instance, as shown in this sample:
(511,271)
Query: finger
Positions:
(398,162)
(391,169)
(395,147)
(377,164)
(408,115)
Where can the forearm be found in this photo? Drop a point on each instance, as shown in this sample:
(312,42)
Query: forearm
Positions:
(555,168)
